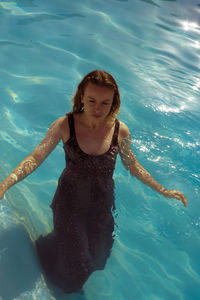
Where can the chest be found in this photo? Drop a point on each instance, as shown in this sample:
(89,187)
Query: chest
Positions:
(94,142)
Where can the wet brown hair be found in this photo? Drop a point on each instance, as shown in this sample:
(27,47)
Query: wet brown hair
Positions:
(100,78)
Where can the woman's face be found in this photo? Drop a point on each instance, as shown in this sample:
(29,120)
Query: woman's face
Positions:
(97,101)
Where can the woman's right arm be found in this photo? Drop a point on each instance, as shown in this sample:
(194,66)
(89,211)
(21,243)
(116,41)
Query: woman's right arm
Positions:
(33,160)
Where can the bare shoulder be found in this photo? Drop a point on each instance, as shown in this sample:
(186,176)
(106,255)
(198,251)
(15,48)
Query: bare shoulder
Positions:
(62,121)
(63,127)
(123,131)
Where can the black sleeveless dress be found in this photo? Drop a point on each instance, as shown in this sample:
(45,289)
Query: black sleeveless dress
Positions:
(82,212)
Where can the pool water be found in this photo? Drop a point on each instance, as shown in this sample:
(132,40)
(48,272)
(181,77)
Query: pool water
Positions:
(152,48)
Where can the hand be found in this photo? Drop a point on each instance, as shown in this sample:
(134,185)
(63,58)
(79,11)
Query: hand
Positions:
(2,190)
(175,194)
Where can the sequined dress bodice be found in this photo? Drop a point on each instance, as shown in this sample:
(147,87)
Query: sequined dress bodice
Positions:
(90,176)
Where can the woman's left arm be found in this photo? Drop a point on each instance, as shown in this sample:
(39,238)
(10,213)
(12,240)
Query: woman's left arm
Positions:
(130,162)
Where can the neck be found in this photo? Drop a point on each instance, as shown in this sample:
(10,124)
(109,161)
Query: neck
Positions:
(94,123)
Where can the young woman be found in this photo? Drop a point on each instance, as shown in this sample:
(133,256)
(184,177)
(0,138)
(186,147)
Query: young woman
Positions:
(82,205)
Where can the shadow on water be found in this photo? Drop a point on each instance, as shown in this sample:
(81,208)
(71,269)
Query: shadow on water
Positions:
(19,266)
(19,269)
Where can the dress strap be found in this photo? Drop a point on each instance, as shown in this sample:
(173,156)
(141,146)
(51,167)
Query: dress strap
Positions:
(71,124)
(116,132)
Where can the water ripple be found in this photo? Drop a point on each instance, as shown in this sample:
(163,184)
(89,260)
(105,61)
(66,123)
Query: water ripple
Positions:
(151,2)
(41,17)
(31,78)
(13,43)
(13,142)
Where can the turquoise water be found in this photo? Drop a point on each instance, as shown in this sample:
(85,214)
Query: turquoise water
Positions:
(152,48)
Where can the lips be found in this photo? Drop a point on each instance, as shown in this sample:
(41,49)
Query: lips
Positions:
(96,116)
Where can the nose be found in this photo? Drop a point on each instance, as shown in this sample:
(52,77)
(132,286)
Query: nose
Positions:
(97,108)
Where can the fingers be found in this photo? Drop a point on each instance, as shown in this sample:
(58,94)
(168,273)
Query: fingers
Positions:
(181,196)
(177,195)
(184,200)
(1,194)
